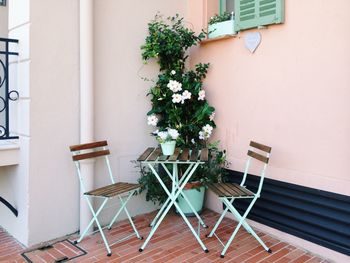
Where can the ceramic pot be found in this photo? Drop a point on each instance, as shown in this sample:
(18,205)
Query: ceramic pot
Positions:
(168,148)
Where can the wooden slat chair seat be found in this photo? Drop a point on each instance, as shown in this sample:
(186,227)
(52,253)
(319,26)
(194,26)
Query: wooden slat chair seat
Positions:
(113,189)
(121,190)
(228,192)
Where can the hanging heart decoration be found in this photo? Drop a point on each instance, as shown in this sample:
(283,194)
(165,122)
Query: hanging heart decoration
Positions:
(252,41)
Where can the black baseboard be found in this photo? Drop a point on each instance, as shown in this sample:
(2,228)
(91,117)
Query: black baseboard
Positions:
(314,215)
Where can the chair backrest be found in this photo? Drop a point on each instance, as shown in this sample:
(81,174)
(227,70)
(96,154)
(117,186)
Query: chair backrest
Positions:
(88,151)
(263,157)
(91,150)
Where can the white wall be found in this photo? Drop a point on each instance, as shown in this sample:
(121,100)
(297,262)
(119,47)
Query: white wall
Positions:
(54,118)
(44,186)
(46,189)
(4,21)
(120,93)
(14,179)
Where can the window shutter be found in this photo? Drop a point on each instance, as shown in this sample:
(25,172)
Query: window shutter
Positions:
(254,13)
(245,16)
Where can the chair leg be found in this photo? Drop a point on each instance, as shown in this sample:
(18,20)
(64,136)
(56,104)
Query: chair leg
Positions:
(129,217)
(242,220)
(237,215)
(120,210)
(92,220)
(218,222)
(95,219)
(250,230)
(221,217)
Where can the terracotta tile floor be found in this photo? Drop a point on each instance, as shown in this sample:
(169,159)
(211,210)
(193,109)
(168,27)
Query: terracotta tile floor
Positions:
(173,242)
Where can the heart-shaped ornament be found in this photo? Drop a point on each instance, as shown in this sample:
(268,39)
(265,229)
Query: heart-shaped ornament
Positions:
(252,41)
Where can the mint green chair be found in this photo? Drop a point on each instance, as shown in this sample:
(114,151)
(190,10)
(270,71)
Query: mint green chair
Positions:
(122,191)
(228,192)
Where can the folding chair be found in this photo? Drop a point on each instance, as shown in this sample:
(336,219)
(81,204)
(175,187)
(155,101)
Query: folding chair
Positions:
(228,192)
(114,190)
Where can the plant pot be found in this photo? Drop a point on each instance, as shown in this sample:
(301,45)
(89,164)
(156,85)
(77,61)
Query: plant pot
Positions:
(196,198)
(221,29)
(168,148)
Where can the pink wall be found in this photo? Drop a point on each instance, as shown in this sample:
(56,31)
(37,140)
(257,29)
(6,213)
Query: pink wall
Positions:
(292,93)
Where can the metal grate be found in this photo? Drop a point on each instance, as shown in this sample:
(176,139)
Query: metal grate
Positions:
(6,96)
(61,251)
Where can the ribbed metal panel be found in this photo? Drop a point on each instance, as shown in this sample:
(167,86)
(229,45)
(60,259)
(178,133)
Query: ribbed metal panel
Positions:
(315,215)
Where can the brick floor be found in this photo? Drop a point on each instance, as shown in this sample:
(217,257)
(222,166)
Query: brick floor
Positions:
(173,242)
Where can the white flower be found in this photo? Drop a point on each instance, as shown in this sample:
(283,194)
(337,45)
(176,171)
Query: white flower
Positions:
(173,133)
(211,117)
(201,95)
(162,135)
(186,95)
(176,98)
(173,72)
(174,85)
(207,129)
(152,120)
(193,141)
(155,132)
(206,132)
(168,135)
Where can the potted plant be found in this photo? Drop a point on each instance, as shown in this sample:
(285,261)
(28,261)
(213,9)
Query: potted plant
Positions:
(167,140)
(178,99)
(220,25)
(211,172)
(208,173)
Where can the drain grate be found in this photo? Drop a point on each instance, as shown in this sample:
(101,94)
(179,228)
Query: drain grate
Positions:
(61,251)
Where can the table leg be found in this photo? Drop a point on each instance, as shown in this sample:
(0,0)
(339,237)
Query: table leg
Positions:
(167,201)
(194,211)
(186,199)
(173,196)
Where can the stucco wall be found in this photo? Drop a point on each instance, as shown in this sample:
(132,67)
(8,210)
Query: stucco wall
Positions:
(44,186)
(290,94)
(14,180)
(120,93)
(46,189)
(4,21)
(54,119)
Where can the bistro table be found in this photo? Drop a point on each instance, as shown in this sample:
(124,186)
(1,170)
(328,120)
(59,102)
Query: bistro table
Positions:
(191,159)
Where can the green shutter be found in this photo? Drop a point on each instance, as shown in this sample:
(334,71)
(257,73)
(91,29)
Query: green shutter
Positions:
(226,6)
(254,13)
(222,6)
(270,12)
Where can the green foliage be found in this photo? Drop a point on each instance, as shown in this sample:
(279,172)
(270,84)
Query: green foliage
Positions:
(178,99)
(168,41)
(219,18)
(215,168)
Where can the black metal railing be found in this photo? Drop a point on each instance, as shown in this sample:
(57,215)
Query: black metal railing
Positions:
(5,94)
